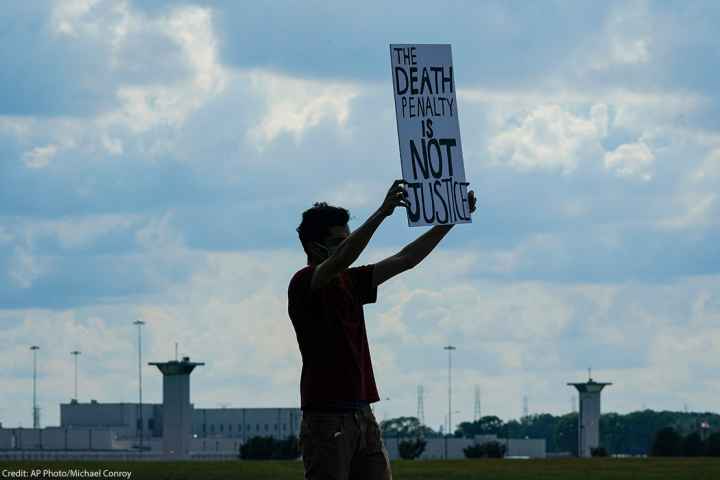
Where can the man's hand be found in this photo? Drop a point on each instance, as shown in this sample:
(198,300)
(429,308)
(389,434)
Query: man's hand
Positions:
(472,201)
(396,196)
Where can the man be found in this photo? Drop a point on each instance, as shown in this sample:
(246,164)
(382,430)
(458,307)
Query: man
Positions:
(339,435)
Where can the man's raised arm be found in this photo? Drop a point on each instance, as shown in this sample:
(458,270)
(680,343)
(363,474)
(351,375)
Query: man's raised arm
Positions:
(414,253)
(351,248)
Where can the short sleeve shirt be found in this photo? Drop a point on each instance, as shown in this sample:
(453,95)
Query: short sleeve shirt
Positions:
(330,328)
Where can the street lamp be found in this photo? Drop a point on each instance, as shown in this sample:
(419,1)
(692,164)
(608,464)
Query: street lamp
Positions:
(139,324)
(449,349)
(36,413)
(75,353)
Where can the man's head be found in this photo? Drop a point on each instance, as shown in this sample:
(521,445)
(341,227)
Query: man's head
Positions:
(322,229)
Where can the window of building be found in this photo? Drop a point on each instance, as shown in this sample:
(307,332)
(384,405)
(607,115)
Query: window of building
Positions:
(204,427)
(221,427)
(267,427)
(257,427)
(151,424)
(275,427)
(239,427)
(212,428)
(229,427)
(284,426)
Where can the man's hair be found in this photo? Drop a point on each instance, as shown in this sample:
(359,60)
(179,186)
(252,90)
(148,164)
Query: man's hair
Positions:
(317,220)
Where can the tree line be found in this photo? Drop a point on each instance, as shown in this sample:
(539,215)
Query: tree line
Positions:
(632,433)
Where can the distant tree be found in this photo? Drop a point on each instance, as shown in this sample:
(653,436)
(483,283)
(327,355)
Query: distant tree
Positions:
(485,450)
(566,434)
(667,443)
(411,449)
(692,445)
(712,445)
(488,425)
(598,452)
(402,427)
(267,448)
(287,449)
(474,451)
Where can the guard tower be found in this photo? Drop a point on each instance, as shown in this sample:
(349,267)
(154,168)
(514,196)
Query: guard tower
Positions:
(177,412)
(589,416)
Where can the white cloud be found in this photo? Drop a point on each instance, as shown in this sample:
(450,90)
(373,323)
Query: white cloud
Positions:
(626,40)
(39,157)
(695,203)
(114,146)
(550,137)
(25,267)
(631,160)
(696,211)
(146,106)
(295,105)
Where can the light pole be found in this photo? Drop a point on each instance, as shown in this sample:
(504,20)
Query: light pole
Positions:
(36,413)
(75,353)
(139,324)
(449,349)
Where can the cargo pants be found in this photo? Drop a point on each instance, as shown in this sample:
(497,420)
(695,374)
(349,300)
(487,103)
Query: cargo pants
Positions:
(343,446)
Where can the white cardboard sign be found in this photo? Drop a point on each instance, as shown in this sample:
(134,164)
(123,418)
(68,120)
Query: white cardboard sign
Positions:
(429,134)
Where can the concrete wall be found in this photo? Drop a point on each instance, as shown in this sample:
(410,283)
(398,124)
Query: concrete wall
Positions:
(27,437)
(245,423)
(6,438)
(526,447)
(435,447)
(122,417)
(55,438)
(220,445)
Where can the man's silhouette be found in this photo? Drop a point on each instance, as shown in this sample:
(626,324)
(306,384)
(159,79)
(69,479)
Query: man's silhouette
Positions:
(339,435)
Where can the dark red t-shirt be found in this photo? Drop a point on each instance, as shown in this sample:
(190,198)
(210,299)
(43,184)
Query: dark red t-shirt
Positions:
(330,329)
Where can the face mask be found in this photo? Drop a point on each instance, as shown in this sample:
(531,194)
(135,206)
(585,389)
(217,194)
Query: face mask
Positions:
(327,251)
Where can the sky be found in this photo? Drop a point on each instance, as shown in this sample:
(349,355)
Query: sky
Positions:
(155,158)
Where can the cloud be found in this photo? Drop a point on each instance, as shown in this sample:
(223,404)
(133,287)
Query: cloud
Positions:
(550,137)
(39,157)
(631,160)
(295,105)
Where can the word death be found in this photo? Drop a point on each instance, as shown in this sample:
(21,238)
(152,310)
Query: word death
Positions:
(423,91)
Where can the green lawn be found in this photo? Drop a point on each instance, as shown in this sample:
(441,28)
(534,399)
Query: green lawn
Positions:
(556,469)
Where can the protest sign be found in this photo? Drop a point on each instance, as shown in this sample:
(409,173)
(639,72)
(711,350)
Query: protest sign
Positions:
(429,134)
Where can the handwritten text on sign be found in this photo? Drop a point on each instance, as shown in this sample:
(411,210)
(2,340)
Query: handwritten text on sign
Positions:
(429,134)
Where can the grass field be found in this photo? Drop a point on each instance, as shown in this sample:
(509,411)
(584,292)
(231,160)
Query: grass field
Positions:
(556,469)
